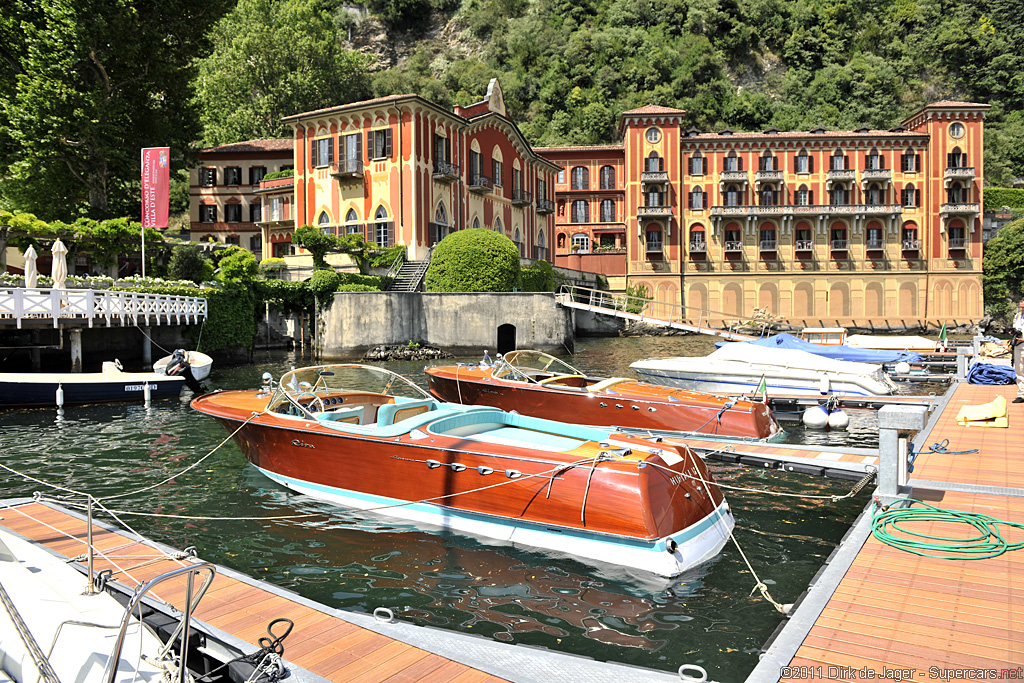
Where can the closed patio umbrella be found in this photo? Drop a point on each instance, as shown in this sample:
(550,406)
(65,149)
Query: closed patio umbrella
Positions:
(59,270)
(31,271)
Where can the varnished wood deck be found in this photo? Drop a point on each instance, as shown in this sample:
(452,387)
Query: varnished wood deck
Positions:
(934,617)
(321,643)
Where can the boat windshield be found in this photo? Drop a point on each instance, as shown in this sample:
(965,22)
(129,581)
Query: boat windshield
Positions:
(299,386)
(531,366)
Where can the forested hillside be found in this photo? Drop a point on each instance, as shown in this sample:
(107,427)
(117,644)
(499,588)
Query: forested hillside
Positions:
(76,97)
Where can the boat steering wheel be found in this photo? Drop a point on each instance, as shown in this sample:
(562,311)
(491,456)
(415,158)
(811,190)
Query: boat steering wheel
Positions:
(555,378)
(311,404)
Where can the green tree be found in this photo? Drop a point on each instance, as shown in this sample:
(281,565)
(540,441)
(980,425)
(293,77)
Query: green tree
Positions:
(1003,266)
(187,263)
(474,261)
(273,58)
(237,265)
(316,243)
(93,82)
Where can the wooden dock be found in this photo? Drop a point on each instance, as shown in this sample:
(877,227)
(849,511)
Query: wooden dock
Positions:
(326,644)
(875,611)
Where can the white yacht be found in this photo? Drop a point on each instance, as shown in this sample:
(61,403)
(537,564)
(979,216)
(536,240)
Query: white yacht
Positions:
(738,368)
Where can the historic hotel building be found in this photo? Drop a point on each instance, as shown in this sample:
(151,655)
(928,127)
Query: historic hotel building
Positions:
(848,227)
(403,170)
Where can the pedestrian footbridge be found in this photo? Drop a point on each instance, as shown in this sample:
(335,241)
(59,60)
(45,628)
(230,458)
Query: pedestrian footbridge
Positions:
(84,307)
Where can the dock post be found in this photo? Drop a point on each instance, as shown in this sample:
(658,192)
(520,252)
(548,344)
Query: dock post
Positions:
(892,447)
(976,344)
(76,348)
(961,362)
(147,347)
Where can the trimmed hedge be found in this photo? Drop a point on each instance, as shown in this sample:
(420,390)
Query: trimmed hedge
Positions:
(474,261)
(998,197)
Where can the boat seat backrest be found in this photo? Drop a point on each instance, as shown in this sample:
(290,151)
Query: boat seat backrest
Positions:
(349,414)
(393,413)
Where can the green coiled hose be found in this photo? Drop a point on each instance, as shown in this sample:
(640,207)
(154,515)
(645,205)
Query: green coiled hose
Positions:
(890,527)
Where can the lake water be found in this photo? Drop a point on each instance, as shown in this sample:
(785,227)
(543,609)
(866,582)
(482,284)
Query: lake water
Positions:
(357,562)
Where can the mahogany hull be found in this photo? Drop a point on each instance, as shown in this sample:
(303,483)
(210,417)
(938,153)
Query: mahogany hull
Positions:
(648,408)
(649,505)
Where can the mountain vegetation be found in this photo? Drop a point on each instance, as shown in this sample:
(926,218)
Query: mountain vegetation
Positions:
(85,83)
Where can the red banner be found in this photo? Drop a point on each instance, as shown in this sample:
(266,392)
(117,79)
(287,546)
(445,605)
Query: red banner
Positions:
(156,180)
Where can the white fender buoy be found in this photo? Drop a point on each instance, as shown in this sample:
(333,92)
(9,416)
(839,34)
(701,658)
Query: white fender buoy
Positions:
(147,392)
(903,368)
(816,417)
(825,385)
(838,419)
(60,395)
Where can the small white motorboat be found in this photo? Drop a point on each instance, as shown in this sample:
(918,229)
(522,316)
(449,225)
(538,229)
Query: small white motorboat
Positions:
(739,368)
(199,362)
(893,343)
(23,389)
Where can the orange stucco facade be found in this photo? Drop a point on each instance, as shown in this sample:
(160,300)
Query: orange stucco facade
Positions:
(865,227)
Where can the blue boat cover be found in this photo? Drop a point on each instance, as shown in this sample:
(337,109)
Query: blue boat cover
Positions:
(990,373)
(834,351)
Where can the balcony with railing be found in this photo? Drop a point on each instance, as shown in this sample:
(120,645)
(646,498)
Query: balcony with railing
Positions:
(654,247)
(768,176)
(521,197)
(959,209)
(840,245)
(653,211)
(880,209)
(804,245)
(911,245)
(876,174)
(445,171)
(957,243)
(347,169)
(698,247)
(733,176)
(480,183)
(838,174)
(545,206)
(654,177)
(769,245)
(875,244)
(733,246)
(959,173)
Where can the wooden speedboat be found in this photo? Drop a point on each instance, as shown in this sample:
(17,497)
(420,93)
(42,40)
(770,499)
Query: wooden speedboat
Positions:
(24,389)
(534,383)
(363,437)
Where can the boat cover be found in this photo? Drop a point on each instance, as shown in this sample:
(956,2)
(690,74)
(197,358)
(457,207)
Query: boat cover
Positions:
(897,343)
(835,351)
(990,373)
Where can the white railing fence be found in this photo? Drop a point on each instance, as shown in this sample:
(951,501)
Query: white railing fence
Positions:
(20,304)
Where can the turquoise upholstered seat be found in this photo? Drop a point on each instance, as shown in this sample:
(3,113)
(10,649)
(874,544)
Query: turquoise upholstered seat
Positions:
(392,413)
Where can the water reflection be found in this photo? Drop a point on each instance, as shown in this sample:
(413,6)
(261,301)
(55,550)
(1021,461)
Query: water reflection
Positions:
(360,562)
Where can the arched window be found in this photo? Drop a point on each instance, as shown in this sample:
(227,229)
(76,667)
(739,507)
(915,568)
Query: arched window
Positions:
(803,162)
(540,249)
(909,196)
(696,198)
(769,196)
(804,197)
(580,178)
(838,161)
(323,221)
(497,224)
(608,211)
(767,162)
(352,226)
(441,216)
(873,161)
(655,197)
(875,194)
(476,223)
(837,236)
(732,195)
(698,164)
(653,162)
(383,228)
(733,162)
(581,243)
(607,177)
(839,195)
(518,241)
(580,212)
(956,194)
(766,237)
(698,240)
(956,159)
(910,161)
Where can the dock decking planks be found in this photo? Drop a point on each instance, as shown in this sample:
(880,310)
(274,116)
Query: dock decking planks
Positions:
(895,610)
(320,643)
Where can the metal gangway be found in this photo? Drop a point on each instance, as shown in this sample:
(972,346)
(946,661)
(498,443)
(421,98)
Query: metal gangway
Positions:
(78,306)
(640,308)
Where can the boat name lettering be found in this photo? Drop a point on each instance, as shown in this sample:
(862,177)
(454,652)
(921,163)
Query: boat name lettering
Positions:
(133,387)
(301,444)
(676,480)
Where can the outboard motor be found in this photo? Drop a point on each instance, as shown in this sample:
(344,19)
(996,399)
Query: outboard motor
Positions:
(180,367)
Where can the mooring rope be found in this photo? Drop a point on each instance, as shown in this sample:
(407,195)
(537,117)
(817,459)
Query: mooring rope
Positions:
(151,340)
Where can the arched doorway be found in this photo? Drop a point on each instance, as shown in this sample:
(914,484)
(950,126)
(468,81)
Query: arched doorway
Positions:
(506,338)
